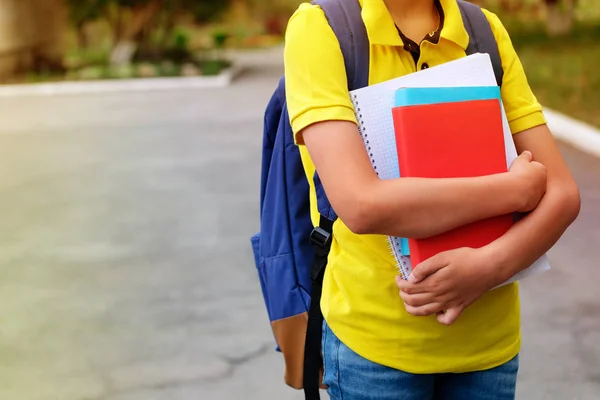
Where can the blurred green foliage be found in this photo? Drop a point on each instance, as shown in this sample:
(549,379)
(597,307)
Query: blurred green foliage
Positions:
(81,11)
(154,27)
(563,71)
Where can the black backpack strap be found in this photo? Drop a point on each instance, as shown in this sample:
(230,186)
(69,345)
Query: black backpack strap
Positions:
(481,36)
(313,362)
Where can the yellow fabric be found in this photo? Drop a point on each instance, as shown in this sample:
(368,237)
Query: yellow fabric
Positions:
(360,299)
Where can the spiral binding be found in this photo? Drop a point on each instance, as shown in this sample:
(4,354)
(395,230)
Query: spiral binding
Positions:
(403,262)
(362,130)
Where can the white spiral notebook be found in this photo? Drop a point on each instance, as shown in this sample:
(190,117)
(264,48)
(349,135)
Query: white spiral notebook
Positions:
(373,107)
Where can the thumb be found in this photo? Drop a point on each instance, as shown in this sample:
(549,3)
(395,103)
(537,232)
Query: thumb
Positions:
(450,316)
(527,155)
(427,267)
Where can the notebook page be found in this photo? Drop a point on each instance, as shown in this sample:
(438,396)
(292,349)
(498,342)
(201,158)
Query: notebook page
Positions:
(373,104)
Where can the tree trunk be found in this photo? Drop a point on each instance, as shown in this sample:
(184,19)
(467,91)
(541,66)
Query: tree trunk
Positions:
(240,10)
(168,24)
(558,21)
(128,41)
(82,40)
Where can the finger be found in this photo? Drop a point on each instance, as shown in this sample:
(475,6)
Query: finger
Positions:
(404,285)
(411,288)
(401,282)
(527,155)
(417,300)
(428,267)
(539,164)
(424,311)
(450,316)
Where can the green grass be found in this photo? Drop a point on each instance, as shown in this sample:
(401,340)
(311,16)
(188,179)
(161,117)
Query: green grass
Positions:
(564,73)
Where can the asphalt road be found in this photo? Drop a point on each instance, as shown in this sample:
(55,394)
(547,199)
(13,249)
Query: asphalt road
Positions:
(125,266)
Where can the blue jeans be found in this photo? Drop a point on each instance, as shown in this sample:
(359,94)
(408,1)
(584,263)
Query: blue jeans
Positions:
(351,377)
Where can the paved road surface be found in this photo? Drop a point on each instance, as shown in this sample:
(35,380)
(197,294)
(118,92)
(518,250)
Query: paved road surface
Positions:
(125,270)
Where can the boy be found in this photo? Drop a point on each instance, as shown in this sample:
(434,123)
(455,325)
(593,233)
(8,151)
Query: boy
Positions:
(443,334)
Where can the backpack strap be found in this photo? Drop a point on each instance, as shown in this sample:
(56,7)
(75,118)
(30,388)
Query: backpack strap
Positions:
(313,361)
(481,36)
(345,19)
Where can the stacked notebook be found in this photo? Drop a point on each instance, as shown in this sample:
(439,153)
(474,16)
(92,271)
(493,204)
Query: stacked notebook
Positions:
(423,125)
(451,133)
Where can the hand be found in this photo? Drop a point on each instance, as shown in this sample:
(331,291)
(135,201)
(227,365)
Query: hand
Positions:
(530,179)
(449,282)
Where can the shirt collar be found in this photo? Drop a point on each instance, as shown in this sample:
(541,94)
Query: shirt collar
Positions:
(382,30)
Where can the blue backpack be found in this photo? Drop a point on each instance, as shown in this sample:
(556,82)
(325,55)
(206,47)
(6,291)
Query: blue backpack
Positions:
(290,253)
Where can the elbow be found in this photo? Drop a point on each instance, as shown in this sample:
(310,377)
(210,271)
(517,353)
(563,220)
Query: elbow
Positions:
(570,201)
(355,214)
(358,224)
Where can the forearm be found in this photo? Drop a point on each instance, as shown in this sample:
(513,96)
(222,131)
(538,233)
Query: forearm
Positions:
(417,208)
(410,207)
(536,233)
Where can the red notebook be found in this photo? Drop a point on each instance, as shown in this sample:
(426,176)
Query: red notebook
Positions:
(450,140)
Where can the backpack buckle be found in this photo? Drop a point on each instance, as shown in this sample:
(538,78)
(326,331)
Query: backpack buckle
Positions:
(320,238)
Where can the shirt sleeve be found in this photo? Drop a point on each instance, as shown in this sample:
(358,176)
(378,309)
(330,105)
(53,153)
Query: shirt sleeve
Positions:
(315,75)
(522,108)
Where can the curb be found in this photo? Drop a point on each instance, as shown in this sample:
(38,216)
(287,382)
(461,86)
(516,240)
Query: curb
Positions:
(224,79)
(578,134)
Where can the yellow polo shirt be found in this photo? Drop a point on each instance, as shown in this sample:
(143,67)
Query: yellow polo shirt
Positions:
(360,299)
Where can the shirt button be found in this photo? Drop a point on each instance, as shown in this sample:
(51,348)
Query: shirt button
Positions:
(424,66)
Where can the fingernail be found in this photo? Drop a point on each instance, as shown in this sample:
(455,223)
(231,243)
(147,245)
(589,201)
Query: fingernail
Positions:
(411,278)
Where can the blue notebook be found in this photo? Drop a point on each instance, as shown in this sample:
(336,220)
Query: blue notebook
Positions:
(435,95)
(414,96)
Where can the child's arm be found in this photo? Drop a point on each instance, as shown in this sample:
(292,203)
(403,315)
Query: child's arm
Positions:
(454,280)
(322,117)
(535,234)
(411,207)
